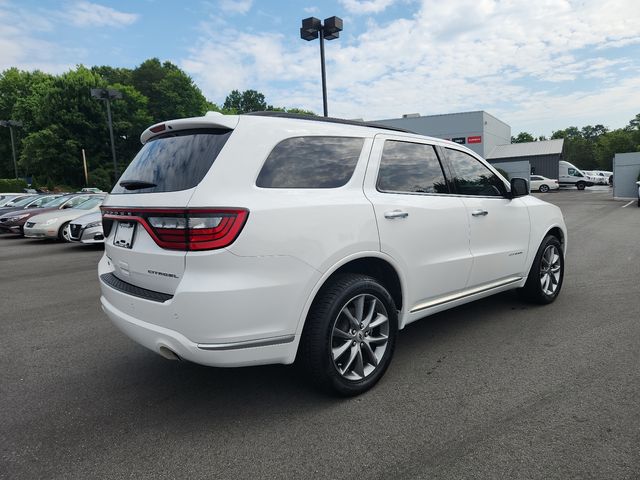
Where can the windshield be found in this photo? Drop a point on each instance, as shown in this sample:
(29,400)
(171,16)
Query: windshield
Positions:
(44,200)
(89,204)
(58,201)
(24,201)
(7,199)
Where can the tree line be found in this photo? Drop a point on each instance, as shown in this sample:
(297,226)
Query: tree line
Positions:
(60,118)
(594,146)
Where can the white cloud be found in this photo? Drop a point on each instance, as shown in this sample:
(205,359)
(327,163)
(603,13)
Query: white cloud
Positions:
(311,10)
(87,14)
(235,6)
(19,45)
(366,6)
(517,60)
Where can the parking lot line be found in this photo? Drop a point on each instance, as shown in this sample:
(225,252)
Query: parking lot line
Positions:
(626,205)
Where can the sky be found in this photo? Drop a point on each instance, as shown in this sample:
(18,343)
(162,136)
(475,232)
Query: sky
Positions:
(538,65)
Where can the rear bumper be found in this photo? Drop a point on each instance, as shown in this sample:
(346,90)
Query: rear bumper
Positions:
(226,310)
(268,350)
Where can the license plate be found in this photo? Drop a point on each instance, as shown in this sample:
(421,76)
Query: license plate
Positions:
(124,234)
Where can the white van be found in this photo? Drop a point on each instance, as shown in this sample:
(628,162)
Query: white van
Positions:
(569,174)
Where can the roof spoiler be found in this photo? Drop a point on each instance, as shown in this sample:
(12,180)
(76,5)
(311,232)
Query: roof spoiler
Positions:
(209,120)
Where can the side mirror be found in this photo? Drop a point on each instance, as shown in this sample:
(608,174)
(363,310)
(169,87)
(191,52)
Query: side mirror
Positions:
(519,187)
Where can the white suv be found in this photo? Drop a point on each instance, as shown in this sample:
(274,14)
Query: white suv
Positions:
(269,238)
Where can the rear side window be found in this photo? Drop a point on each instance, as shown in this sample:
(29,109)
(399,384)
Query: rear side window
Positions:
(172,162)
(410,167)
(311,162)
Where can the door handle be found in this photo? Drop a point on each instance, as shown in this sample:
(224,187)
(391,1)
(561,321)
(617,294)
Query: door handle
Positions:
(395,214)
(479,213)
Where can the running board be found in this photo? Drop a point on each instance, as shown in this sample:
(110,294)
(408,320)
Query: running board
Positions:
(465,293)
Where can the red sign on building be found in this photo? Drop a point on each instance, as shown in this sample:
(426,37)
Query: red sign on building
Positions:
(476,139)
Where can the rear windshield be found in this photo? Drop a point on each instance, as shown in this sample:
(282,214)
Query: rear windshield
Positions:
(172,162)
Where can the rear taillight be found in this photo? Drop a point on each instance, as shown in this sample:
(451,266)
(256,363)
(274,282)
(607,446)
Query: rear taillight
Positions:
(183,229)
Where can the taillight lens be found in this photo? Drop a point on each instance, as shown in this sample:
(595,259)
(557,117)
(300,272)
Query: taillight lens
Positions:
(183,229)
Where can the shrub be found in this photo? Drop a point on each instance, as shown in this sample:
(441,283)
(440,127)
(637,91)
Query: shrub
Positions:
(12,185)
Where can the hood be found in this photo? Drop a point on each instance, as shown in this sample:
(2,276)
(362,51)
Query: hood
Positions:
(88,218)
(64,215)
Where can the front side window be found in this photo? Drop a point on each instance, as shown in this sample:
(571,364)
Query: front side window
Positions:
(311,162)
(410,168)
(472,177)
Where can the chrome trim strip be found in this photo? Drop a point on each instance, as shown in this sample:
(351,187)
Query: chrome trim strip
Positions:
(465,293)
(263,342)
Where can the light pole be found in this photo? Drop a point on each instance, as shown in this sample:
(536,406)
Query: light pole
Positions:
(108,94)
(313,28)
(10,124)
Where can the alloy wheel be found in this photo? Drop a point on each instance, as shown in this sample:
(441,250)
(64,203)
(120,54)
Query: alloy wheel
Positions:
(550,270)
(359,337)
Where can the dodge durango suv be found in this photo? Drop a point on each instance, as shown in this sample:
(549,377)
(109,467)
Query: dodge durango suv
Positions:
(273,238)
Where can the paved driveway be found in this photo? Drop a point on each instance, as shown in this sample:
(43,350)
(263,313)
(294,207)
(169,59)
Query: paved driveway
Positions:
(494,389)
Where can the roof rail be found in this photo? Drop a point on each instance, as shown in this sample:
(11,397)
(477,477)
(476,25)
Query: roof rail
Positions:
(313,118)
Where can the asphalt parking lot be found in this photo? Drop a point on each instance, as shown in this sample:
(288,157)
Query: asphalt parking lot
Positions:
(493,389)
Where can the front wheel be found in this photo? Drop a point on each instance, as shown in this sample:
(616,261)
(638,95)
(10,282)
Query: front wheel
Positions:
(547,272)
(580,185)
(63,234)
(544,188)
(349,336)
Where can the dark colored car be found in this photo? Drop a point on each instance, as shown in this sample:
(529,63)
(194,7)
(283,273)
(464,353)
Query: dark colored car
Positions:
(31,201)
(13,221)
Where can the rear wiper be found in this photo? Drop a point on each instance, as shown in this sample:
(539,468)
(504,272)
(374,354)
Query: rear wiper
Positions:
(136,184)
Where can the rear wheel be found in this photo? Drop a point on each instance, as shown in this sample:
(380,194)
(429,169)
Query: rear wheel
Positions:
(64,234)
(580,185)
(349,336)
(544,188)
(547,272)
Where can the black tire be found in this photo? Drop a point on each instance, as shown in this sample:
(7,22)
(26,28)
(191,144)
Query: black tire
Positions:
(61,234)
(317,345)
(580,185)
(533,290)
(544,188)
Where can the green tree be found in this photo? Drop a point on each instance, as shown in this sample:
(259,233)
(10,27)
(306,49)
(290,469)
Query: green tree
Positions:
(523,137)
(616,141)
(171,93)
(247,101)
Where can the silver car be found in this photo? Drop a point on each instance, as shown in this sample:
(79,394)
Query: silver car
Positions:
(87,229)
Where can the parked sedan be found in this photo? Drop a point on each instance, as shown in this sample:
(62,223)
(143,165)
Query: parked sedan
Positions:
(9,197)
(19,203)
(55,225)
(14,221)
(543,184)
(87,229)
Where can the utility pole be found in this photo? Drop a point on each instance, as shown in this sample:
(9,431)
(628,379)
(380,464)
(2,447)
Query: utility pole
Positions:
(10,124)
(108,94)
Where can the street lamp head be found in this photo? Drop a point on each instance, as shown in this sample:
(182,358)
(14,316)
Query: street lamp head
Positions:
(332,28)
(113,93)
(105,93)
(98,93)
(311,24)
(308,36)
